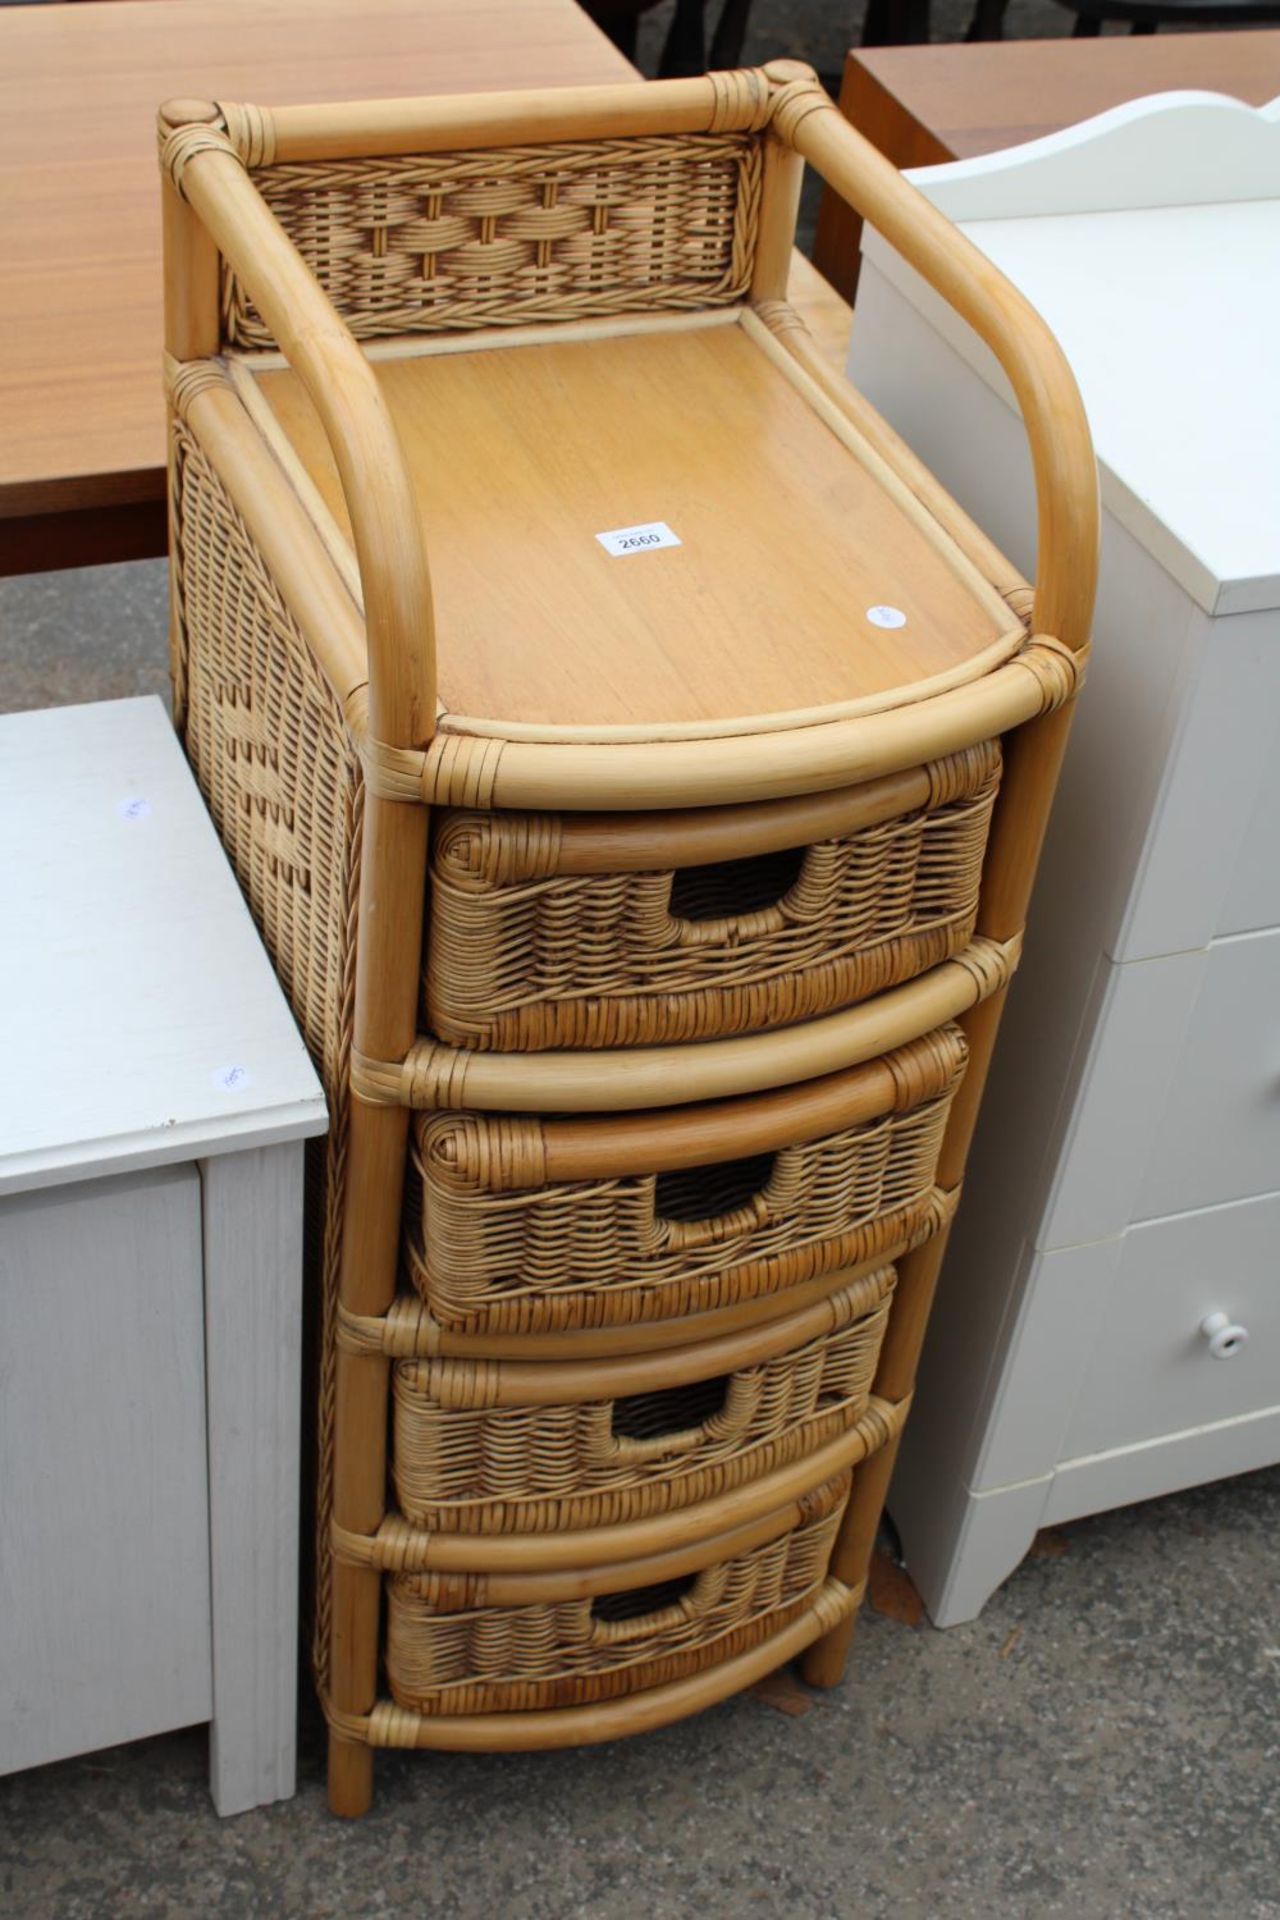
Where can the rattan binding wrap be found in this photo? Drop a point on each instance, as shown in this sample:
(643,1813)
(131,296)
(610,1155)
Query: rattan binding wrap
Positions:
(495,1659)
(269,747)
(518,235)
(462,1465)
(491,1249)
(522,957)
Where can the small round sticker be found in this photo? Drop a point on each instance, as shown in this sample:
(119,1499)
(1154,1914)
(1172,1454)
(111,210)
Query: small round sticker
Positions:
(886,616)
(134,807)
(233,1079)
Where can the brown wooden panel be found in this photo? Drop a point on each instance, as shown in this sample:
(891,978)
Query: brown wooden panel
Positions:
(83,537)
(875,112)
(973,99)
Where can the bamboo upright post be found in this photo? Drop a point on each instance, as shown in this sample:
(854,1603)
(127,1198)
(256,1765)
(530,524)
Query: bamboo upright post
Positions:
(401,708)
(1066,484)
(191,321)
(1033,759)
(779,204)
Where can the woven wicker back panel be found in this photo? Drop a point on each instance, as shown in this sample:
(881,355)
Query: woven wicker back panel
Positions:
(596,1462)
(510,236)
(494,1659)
(269,748)
(521,958)
(602,1252)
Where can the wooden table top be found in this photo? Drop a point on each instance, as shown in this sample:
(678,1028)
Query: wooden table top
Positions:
(81,415)
(923,105)
(81,418)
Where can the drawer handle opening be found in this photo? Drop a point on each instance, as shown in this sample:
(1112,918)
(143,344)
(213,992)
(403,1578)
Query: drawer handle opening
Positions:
(731,889)
(706,1193)
(639,1602)
(670,1410)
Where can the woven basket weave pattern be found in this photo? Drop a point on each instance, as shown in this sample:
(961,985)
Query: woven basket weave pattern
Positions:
(602,960)
(271,753)
(600,1252)
(495,1659)
(528,234)
(545,1468)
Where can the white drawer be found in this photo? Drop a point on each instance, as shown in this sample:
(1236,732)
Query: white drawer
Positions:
(1253,898)
(1152,1371)
(1218,1137)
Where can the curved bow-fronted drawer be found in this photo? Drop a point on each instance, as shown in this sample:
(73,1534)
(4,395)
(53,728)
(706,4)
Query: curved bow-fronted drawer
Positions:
(622,1631)
(538,1225)
(512,1447)
(613,930)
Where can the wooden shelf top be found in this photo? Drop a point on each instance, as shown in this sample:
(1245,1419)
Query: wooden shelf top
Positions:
(522,456)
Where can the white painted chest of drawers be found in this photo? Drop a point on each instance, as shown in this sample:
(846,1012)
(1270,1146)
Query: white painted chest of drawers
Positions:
(154,1100)
(1125,1182)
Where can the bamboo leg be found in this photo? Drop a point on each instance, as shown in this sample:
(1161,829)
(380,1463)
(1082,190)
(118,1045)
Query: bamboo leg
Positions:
(350,1777)
(823,1661)
(1033,757)
(370,1240)
(391,891)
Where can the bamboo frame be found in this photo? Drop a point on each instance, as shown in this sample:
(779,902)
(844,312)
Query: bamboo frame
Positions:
(532,1383)
(664,1140)
(371,631)
(589,843)
(472,1589)
(434,1077)
(410,1332)
(690,1532)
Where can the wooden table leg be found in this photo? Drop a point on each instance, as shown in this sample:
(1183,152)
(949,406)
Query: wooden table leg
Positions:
(988,21)
(896,23)
(252,1226)
(888,125)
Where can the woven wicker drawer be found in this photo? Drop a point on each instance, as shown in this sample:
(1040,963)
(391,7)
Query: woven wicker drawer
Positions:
(604,931)
(445,1654)
(606,1442)
(542,1225)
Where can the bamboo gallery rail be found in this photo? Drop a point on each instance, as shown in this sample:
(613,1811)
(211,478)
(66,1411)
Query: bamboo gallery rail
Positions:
(642,1155)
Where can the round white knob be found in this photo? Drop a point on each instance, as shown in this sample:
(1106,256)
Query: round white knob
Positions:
(1224,1337)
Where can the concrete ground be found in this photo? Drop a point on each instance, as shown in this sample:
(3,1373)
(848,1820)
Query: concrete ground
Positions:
(1101,1744)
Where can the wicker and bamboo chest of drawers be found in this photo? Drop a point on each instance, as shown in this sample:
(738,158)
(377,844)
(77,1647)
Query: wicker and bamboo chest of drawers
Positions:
(646,880)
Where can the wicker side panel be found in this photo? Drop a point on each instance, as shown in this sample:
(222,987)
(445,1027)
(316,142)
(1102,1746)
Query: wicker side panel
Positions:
(641,959)
(593,1253)
(267,742)
(496,1659)
(448,241)
(484,1469)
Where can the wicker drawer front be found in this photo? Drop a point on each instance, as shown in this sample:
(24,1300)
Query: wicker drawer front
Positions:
(446,1658)
(581,1459)
(550,931)
(828,1175)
